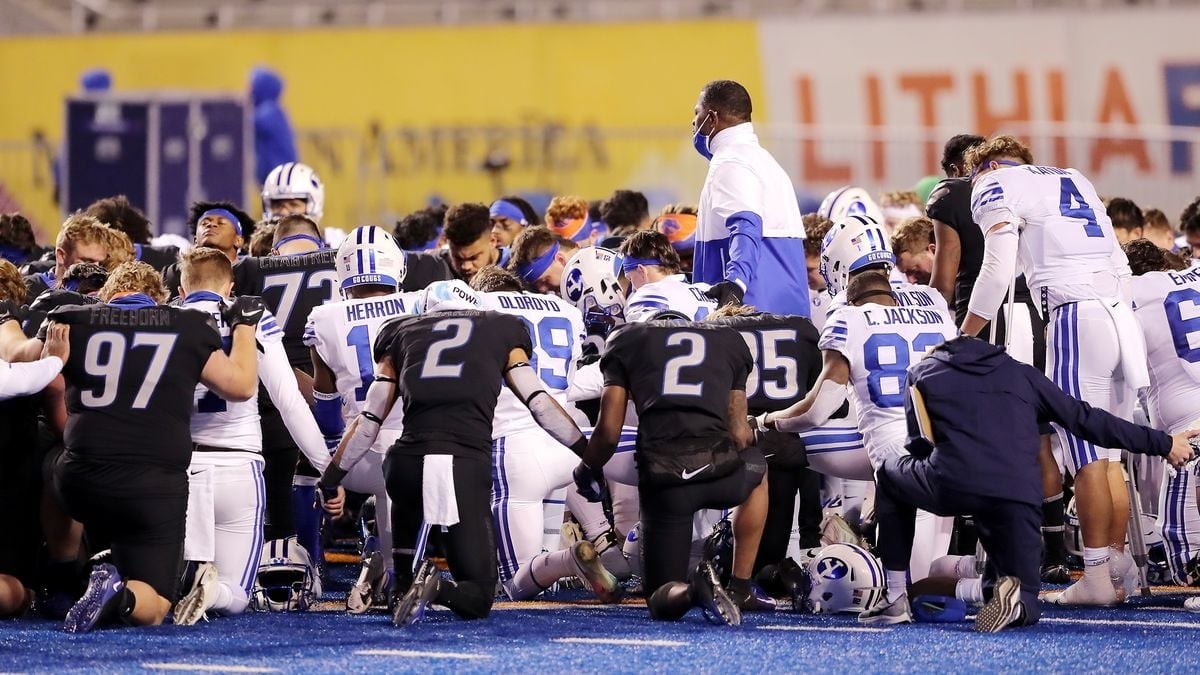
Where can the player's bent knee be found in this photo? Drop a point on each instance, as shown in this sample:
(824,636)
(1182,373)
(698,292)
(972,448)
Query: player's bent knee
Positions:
(472,602)
(669,602)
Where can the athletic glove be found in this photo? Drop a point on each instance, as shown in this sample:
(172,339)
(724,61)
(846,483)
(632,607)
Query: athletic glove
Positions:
(8,312)
(590,484)
(245,310)
(726,293)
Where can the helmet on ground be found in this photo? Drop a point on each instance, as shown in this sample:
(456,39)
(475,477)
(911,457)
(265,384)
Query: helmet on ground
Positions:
(845,578)
(286,580)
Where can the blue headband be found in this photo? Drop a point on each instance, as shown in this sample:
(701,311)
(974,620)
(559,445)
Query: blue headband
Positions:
(299,237)
(432,243)
(224,213)
(629,264)
(533,270)
(503,209)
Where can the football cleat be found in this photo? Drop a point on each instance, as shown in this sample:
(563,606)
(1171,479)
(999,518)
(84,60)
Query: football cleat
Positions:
(410,608)
(754,600)
(718,548)
(711,598)
(1192,604)
(591,571)
(837,530)
(372,580)
(199,597)
(1056,574)
(611,554)
(103,592)
(1092,591)
(1003,609)
(887,613)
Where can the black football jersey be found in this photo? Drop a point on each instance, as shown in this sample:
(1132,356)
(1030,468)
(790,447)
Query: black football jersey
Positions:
(424,269)
(158,257)
(36,284)
(679,376)
(450,367)
(787,360)
(131,380)
(48,302)
(950,202)
(290,286)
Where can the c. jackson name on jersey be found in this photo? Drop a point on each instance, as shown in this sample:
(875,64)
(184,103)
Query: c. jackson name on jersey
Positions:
(887,316)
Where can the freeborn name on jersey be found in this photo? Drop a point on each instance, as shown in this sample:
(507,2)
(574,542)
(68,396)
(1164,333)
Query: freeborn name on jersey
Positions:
(148,317)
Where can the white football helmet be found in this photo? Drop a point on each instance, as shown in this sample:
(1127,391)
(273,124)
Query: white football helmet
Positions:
(849,201)
(589,281)
(442,296)
(845,578)
(369,256)
(286,580)
(850,245)
(294,180)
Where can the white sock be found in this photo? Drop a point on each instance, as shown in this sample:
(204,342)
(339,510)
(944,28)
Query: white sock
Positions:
(1095,561)
(897,584)
(539,574)
(969,590)
(223,600)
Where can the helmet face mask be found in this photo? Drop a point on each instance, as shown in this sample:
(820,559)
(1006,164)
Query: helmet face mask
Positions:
(294,180)
(590,283)
(369,256)
(286,580)
(851,245)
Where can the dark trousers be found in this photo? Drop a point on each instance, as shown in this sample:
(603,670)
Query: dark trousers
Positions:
(469,546)
(1010,531)
(784,485)
(667,513)
(280,455)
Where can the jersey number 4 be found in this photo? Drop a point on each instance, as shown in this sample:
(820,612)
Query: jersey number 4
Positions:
(1071,204)
(105,358)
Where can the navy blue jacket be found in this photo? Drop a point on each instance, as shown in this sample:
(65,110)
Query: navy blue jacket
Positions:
(985,407)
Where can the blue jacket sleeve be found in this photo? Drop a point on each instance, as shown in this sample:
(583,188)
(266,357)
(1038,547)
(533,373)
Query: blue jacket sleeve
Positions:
(274,142)
(1094,424)
(745,238)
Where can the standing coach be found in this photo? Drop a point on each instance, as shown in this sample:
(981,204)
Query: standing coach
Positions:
(749,239)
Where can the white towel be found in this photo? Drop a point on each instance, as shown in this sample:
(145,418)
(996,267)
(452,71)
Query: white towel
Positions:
(437,490)
(199,541)
(1132,344)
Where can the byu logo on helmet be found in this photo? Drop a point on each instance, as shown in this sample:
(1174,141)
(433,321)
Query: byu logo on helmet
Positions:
(573,284)
(832,568)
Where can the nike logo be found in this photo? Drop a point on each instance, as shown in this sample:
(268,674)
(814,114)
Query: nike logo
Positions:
(688,475)
(769,456)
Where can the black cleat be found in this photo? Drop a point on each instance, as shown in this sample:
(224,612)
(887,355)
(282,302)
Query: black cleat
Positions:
(410,608)
(711,598)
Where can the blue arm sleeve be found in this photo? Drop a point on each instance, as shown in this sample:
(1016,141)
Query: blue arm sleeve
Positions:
(327,409)
(745,237)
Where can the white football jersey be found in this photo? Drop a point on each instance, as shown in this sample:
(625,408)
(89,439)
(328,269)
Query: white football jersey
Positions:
(1167,307)
(556,331)
(1067,248)
(881,342)
(818,303)
(673,292)
(343,334)
(225,424)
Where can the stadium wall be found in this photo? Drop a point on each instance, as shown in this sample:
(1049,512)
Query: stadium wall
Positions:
(393,117)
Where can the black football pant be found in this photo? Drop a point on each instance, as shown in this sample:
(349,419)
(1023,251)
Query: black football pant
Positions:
(784,484)
(1010,531)
(469,546)
(280,455)
(139,509)
(667,513)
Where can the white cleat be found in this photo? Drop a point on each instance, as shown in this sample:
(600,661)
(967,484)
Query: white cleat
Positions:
(1003,609)
(837,530)
(192,606)
(1192,604)
(1094,591)
(371,579)
(887,613)
(592,573)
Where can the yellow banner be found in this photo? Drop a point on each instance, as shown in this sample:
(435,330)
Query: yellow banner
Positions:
(391,117)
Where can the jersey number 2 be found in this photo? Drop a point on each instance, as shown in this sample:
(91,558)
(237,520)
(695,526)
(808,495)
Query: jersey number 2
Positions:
(673,385)
(433,367)
(1072,205)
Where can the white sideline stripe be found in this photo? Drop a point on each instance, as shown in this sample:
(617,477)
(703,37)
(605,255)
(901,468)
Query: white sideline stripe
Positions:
(214,667)
(423,655)
(620,641)
(1194,625)
(823,629)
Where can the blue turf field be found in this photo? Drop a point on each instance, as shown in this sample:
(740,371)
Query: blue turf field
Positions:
(1151,635)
